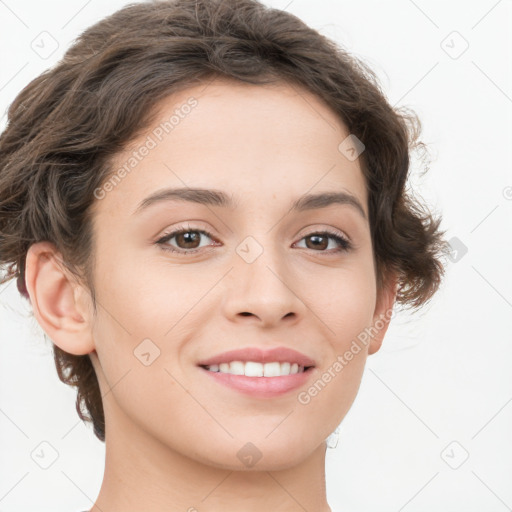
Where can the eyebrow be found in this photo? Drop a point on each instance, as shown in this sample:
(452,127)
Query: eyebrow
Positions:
(219,198)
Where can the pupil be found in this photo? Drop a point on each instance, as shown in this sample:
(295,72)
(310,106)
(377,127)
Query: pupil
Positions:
(189,237)
(316,238)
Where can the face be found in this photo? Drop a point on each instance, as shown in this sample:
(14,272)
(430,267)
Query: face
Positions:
(183,279)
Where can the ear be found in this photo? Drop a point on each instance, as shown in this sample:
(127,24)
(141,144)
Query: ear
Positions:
(61,306)
(383,311)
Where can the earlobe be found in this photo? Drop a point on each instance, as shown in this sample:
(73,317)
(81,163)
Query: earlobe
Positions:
(57,300)
(383,313)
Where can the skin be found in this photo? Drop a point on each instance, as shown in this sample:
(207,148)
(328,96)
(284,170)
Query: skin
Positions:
(172,433)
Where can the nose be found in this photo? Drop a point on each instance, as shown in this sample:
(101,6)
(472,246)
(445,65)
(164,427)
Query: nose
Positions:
(264,292)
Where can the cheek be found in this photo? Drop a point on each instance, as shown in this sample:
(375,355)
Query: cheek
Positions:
(147,396)
(344,298)
(331,393)
(147,297)
(344,301)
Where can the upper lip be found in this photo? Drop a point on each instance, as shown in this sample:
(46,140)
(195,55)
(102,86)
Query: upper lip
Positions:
(258,355)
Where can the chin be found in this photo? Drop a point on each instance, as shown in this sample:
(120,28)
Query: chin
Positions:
(262,454)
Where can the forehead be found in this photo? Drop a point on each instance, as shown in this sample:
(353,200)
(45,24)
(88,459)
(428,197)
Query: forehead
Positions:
(249,140)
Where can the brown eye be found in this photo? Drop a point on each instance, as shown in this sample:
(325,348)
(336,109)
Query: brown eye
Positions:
(186,241)
(320,242)
(317,242)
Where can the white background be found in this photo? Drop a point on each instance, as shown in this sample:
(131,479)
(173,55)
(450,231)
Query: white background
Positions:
(440,389)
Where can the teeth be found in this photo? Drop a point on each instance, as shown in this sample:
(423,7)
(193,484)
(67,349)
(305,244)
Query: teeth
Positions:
(253,369)
(236,368)
(272,369)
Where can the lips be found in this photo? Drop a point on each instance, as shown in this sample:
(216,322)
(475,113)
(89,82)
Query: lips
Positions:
(258,386)
(257,355)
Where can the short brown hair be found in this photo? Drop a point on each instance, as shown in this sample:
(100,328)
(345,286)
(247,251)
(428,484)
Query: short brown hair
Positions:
(67,124)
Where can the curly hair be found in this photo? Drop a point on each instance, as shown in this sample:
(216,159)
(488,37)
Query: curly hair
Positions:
(66,125)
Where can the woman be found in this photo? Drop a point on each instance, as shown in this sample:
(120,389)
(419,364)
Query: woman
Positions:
(205,204)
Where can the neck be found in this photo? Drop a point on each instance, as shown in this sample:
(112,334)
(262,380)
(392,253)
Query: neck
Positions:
(143,474)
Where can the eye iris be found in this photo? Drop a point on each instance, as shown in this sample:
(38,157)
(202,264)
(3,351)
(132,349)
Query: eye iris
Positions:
(189,237)
(316,244)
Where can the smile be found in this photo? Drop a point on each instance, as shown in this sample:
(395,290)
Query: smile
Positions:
(255,369)
(260,373)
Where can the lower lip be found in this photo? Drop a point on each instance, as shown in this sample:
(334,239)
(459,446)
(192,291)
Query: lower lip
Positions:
(263,387)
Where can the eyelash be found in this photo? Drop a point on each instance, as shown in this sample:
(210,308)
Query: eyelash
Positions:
(346,246)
